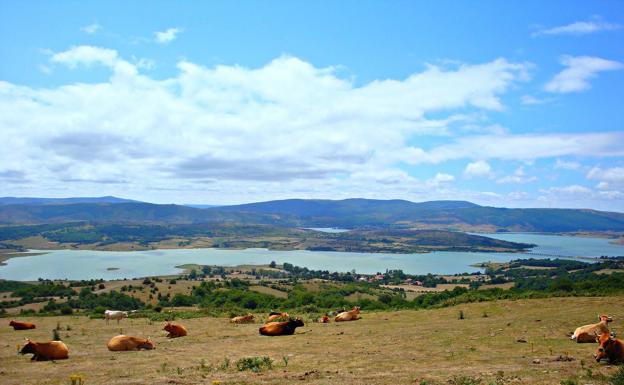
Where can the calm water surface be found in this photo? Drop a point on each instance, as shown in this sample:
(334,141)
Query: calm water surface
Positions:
(86,264)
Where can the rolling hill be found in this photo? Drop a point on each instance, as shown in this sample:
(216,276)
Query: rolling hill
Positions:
(349,213)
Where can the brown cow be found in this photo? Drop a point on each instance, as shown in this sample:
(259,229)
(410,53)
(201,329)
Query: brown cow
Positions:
(175,330)
(242,319)
(589,333)
(122,343)
(285,328)
(324,319)
(351,315)
(22,325)
(610,348)
(46,351)
(275,316)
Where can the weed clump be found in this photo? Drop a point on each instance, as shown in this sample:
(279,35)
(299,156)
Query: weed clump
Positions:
(255,364)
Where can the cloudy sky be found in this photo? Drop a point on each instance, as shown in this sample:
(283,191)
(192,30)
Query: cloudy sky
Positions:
(516,104)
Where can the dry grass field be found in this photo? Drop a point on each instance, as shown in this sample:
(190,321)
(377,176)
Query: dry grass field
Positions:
(403,347)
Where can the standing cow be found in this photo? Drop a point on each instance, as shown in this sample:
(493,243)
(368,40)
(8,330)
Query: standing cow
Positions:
(115,314)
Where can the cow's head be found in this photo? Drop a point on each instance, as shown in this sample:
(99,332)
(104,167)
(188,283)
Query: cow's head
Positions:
(11,323)
(356,310)
(168,327)
(28,348)
(605,318)
(297,322)
(606,341)
(147,345)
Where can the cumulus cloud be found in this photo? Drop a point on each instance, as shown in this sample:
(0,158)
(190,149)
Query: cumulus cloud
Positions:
(227,134)
(479,168)
(580,69)
(166,36)
(578,28)
(608,178)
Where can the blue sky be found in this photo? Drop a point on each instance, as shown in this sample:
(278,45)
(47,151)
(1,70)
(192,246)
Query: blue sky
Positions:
(513,104)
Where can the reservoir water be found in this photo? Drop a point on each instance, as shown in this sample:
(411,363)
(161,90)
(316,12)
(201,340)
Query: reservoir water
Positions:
(87,264)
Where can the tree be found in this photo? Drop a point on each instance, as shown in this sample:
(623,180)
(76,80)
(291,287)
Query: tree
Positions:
(272,264)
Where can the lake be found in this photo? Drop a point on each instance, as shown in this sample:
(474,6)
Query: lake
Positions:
(87,264)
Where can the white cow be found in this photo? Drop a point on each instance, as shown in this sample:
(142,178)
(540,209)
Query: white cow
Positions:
(115,314)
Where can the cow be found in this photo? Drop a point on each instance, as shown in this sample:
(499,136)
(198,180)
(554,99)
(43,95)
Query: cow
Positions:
(285,328)
(275,316)
(122,343)
(115,314)
(242,319)
(610,348)
(324,319)
(22,325)
(351,315)
(46,351)
(589,333)
(175,330)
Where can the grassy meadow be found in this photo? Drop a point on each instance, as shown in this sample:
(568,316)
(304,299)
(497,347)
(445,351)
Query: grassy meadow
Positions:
(394,347)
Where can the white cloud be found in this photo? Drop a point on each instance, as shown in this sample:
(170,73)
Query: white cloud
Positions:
(167,36)
(440,179)
(578,28)
(479,168)
(86,55)
(579,71)
(91,28)
(561,164)
(570,190)
(228,134)
(518,177)
(607,177)
(532,100)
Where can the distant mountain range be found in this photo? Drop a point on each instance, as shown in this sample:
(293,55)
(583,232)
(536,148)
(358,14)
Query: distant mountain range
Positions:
(61,201)
(349,213)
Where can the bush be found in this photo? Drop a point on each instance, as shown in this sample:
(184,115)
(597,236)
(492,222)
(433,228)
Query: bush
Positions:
(255,364)
(66,310)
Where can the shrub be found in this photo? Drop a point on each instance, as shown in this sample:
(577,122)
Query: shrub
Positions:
(255,364)
(618,377)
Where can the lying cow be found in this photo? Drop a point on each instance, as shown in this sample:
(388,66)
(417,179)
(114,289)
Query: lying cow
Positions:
(589,333)
(46,351)
(324,319)
(242,319)
(122,343)
(115,314)
(22,325)
(273,316)
(175,330)
(285,328)
(610,348)
(351,315)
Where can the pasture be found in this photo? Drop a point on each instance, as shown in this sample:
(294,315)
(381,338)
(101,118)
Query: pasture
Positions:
(397,347)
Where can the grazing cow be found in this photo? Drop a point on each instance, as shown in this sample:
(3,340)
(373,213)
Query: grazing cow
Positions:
(285,328)
(589,333)
(324,319)
(242,319)
(175,330)
(122,343)
(610,348)
(46,351)
(351,315)
(115,314)
(275,316)
(22,325)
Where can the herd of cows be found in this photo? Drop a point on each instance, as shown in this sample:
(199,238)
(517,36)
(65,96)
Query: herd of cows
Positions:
(610,348)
